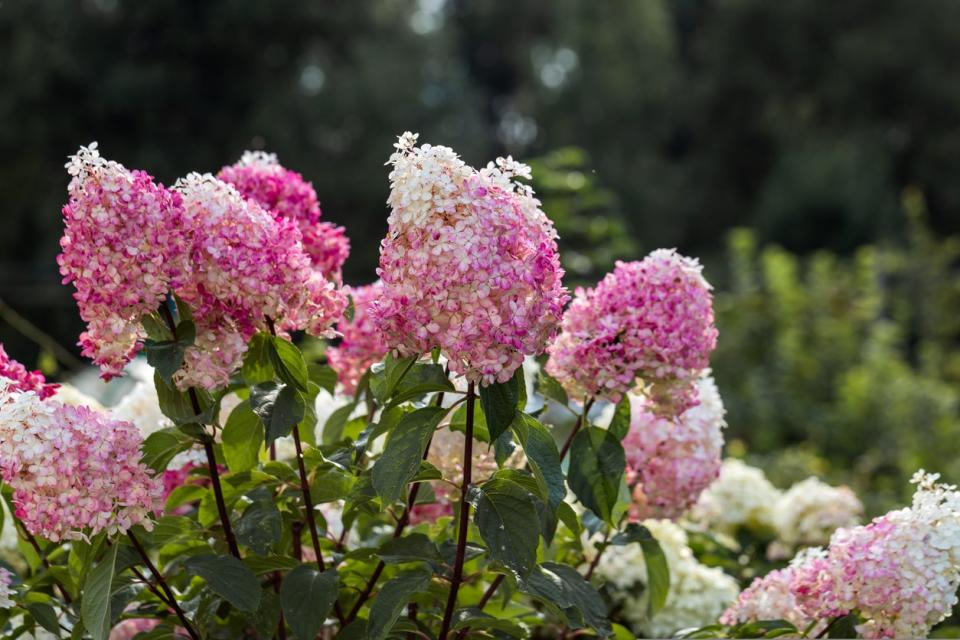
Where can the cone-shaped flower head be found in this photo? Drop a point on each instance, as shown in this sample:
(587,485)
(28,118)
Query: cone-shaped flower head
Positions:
(469,264)
(124,246)
(362,344)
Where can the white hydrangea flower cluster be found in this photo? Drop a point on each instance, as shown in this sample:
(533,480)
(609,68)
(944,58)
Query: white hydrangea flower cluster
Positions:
(742,495)
(5,590)
(698,594)
(810,511)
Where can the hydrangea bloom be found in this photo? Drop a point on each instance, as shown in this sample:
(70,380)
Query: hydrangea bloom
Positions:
(771,597)
(69,394)
(74,471)
(698,594)
(651,319)
(22,380)
(469,264)
(260,177)
(249,267)
(671,461)
(811,510)
(741,496)
(124,246)
(900,572)
(5,591)
(362,344)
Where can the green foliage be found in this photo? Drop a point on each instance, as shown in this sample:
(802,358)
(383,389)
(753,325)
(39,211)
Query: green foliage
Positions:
(507,520)
(597,465)
(95,607)
(826,354)
(307,597)
(229,578)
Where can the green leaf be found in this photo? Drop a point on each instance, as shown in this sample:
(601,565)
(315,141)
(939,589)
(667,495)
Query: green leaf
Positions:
(403,452)
(474,618)
(420,379)
(95,606)
(279,406)
(172,529)
(458,422)
(541,450)
(563,587)
(162,446)
(331,483)
(387,374)
(307,596)
(257,366)
(499,404)
(267,617)
(228,578)
(620,422)
(166,356)
(260,525)
(415,547)
(288,363)
(550,388)
(845,627)
(333,429)
(597,464)
(46,616)
(324,376)
(393,596)
(658,573)
(509,523)
(242,438)
(569,517)
(174,403)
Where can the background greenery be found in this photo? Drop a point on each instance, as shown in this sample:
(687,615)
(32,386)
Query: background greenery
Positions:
(805,149)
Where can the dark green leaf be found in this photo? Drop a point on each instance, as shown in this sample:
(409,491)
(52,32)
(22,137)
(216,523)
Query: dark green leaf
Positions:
(403,452)
(620,422)
(420,379)
(267,617)
(162,446)
(393,596)
(509,523)
(242,438)
(550,388)
(569,517)
(415,547)
(541,450)
(46,616)
(474,618)
(288,362)
(458,422)
(563,587)
(331,483)
(259,526)
(95,606)
(173,403)
(845,627)
(658,573)
(324,376)
(597,464)
(279,406)
(499,404)
(307,596)
(228,578)
(333,429)
(257,366)
(387,374)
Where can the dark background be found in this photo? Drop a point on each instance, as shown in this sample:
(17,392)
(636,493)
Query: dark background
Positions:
(827,132)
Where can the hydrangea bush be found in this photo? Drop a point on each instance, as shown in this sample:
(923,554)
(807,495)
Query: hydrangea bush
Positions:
(465,456)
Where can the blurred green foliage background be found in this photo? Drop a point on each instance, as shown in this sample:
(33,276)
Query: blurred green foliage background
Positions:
(806,150)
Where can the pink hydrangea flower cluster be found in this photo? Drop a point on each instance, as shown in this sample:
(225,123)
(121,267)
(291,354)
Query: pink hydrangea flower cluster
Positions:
(74,471)
(362,344)
(260,177)
(469,264)
(670,461)
(651,319)
(23,380)
(130,242)
(249,266)
(900,572)
(124,247)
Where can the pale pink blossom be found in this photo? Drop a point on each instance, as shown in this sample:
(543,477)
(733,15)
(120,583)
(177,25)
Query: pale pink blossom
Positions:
(651,320)
(74,471)
(23,380)
(469,264)
(362,343)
